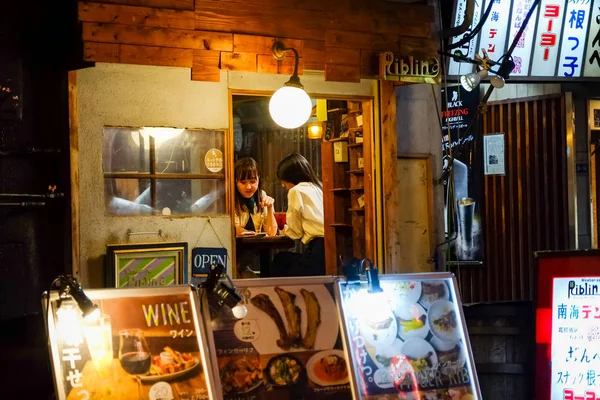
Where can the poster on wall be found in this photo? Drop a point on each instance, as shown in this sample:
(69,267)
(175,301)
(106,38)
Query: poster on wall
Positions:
(149,343)
(288,346)
(462,200)
(408,341)
(493,154)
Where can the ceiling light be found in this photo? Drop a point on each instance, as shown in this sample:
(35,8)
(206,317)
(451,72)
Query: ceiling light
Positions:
(290,106)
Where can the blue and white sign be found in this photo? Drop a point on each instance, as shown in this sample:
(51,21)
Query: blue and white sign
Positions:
(204,257)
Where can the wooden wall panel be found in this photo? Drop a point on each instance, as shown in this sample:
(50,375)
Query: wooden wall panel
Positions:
(162,37)
(526,210)
(329,36)
(238,61)
(144,55)
(128,15)
(205,66)
(170,4)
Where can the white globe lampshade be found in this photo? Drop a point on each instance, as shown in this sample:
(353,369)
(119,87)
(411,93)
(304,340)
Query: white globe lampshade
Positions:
(290,107)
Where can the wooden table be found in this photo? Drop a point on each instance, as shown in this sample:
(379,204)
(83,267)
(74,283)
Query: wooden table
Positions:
(264,245)
(115,383)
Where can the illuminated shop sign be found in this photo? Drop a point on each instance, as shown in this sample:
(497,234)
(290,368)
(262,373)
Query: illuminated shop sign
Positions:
(561,40)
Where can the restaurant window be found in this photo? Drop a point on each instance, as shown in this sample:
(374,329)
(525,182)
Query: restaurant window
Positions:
(164,171)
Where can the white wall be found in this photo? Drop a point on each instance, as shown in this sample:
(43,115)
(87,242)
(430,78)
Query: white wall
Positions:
(132,95)
(520,90)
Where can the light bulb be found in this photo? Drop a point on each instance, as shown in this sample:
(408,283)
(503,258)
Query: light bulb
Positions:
(239,311)
(69,327)
(290,107)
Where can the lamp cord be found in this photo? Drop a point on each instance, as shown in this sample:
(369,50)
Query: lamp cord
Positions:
(475,30)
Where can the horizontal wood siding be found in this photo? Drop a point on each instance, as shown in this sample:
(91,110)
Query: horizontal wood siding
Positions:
(526,210)
(341,38)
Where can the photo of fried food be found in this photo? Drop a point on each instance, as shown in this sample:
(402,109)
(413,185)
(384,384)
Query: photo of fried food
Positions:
(171,361)
(293,315)
(241,375)
(447,322)
(264,303)
(313,318)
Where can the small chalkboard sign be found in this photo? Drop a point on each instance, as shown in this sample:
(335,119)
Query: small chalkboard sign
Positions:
(204,257)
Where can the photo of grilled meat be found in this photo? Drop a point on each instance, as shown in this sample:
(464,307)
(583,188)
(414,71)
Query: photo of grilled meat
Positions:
(264,303)
(292,314)
(313,318)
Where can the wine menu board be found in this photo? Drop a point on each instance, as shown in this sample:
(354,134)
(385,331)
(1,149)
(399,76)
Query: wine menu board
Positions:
(149,343)
(409,340)
(288,346)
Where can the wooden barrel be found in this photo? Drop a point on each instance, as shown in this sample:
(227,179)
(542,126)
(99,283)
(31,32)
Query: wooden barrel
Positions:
(503,342)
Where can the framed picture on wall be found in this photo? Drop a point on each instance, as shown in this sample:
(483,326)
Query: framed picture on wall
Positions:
(596,119)
(146,264)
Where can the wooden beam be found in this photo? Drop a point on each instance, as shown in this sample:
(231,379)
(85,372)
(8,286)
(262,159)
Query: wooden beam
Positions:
(342,55)
(263,44)
(74,163)
(389,155)
(342,73)
(238,61)
(142,16)
(315,5)
(144,55)
(380,42)
(369,64)
(171,4)
(161,37)
(254,19)
(205,66)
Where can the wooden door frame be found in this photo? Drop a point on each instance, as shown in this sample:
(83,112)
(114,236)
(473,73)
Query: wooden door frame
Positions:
(371,100)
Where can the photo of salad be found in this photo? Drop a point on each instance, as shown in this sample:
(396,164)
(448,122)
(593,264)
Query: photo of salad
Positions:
(284,370)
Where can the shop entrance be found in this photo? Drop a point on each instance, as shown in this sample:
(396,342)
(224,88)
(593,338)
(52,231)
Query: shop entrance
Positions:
(337,142)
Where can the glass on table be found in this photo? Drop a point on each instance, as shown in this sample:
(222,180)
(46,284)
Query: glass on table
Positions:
(258,220)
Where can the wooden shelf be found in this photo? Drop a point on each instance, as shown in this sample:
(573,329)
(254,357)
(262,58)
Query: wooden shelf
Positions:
(341,190)
(355,112)
(339,139)
(357,209)
(356,171)
(355,145)
(359,129)
(336,225)
(337,110)
(357,188)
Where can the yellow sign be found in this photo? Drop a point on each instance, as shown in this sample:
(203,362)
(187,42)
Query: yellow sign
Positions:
(408,69)
(214,160)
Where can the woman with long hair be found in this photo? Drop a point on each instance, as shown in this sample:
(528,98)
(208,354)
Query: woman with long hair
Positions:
(252,205)
(304,219)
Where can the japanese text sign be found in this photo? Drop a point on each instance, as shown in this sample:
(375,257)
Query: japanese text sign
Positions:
(561,39)
(409,340)
(149,343)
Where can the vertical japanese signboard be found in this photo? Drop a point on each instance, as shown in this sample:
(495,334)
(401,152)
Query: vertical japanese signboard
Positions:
(522,52)
(149,343)
(547,39)
(409,341)
(288,345)
(577,18)
(592,56)
(470,48)
(568,325)
(575,338)
(494,31)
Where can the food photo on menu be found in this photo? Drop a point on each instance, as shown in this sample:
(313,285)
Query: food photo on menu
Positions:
(141,347)
(408,341)
(288,346)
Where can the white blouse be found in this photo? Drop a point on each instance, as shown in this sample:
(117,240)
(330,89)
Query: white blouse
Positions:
(304,217)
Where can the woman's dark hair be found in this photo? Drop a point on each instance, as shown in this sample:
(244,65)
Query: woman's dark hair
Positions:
(246,168)
(294,168)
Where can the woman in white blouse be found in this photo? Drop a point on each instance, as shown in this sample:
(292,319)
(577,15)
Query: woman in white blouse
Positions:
(304,219)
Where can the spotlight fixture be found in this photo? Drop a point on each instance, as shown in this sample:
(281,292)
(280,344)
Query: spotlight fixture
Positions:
(372,278)
(290,106)
(70,287)
(472,80)
(226,294)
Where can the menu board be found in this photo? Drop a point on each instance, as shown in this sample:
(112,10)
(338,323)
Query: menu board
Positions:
(408,341)
(575,338)
(288,346)
(149,343)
